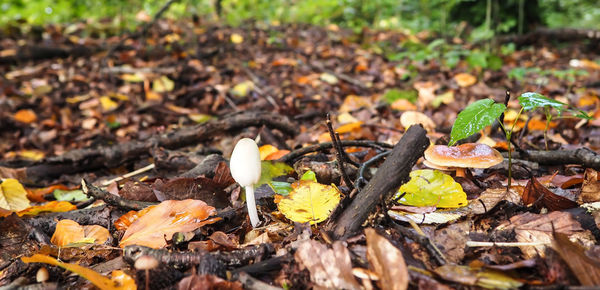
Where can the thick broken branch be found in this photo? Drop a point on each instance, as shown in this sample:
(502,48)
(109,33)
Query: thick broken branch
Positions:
(393,172)
(582,156)
(112,156)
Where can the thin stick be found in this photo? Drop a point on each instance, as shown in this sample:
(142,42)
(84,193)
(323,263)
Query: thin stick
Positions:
(338,154)
(328,145)
(505,244)
(130,174)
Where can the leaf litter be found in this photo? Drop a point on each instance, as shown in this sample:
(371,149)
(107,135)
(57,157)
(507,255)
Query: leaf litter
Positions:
(203,76)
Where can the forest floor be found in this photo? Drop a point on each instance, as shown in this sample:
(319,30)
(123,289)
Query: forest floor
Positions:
(79,104)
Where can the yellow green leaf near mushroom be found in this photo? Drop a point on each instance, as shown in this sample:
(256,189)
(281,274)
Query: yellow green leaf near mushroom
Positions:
(431,188)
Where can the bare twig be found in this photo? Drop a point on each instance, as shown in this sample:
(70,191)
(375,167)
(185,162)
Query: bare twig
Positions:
(328,145)
(338,153)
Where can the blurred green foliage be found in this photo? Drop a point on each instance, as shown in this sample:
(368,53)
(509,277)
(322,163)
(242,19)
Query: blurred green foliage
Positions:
(414,15)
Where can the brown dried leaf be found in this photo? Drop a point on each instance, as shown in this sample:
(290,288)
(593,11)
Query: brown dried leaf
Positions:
(590,189)
(201,188)
(387,261)
(201,282)
(537,194)
(329,268)
(585,268)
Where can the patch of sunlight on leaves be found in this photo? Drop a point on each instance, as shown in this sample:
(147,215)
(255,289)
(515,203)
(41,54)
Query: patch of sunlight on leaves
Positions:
(309,201)
(431,188)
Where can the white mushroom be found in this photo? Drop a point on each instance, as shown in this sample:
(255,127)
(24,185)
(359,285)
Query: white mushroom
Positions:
(245,169)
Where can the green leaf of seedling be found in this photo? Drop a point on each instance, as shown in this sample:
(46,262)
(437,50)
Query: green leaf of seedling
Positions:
(431,188)
(474,118)
(531,101)
(284,188)
(581,114)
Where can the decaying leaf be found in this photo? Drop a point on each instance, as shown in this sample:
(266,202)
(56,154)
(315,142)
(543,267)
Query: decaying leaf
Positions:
(465,79)
(13,195)
(410,118)
(330,268)
(69,233)
(431,188)
(160,223)
(309,201)
(126,283)
(585,267)
(537,194)
(590,189)
(387,261)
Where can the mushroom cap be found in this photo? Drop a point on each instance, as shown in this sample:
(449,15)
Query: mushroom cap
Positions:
(245,162)
(469,155)
(146,262)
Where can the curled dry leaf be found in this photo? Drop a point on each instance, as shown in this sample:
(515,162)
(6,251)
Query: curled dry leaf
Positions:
(590,189)
(330,268)
(537,194)
(585,268)
(160,223)
(387,261)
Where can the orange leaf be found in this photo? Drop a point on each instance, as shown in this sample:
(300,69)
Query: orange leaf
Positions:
(70,232)
(127,219)
(347,128)
(465,80)
(89,274)
(266,150)
(38,194)
(277,155)
(26,116)
(53,206)
(170,216)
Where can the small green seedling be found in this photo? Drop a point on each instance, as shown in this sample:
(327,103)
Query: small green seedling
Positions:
(482,113)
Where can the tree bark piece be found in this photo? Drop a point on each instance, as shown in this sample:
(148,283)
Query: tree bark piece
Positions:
(393,172)
(112,156)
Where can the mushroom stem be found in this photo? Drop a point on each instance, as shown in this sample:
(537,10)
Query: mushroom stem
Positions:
(460,172)
(250,201)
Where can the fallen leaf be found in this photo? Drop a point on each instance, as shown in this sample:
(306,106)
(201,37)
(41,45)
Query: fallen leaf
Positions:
(329,268)
(242,89)
(163,85)
(123,222)
(53,206)
(108,104)
(26,116)
(352,103)
(537,194)
(160,223)
(126,283)
(590,189)
(465,80)
(236,38)
(328,78)
(309,201)
(586,268)
(266,150)
(387,261)
(428,187)
(69,232)
(13,195)
(347,128)
(410,118)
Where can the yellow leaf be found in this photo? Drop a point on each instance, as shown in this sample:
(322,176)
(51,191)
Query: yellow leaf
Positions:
(163,84)
(108,104)
(96,278)
(170,216)
(431,188)
(242,89)
(199,117)
(410,118)
(34,155)
(309,201)
(133,78)
(13,195)
(329,78)
(70,233)
(236,38)
(352,102)
(53,206)
(465,79)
